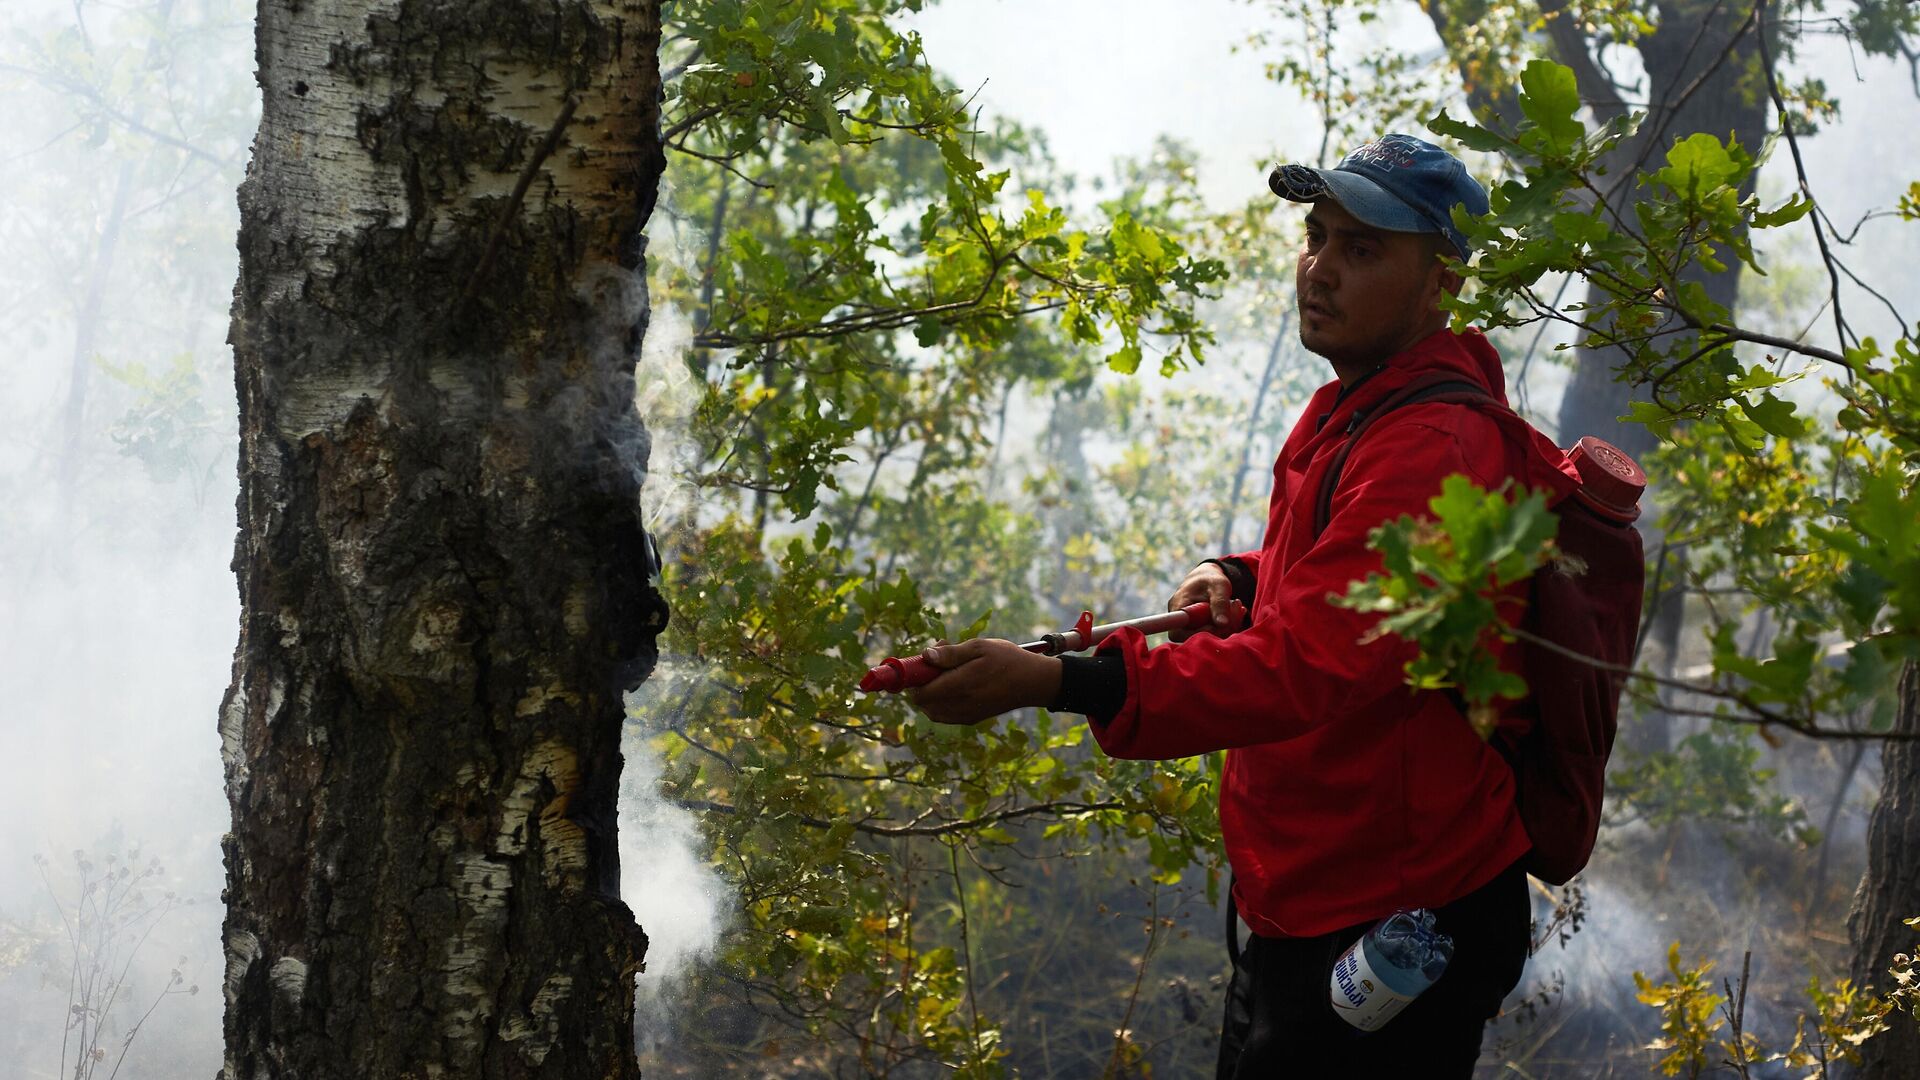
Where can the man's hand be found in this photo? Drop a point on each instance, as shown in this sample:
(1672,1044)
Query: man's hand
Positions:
(983,678)
(1210,583)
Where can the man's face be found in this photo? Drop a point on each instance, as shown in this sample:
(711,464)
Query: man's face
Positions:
(1365,293)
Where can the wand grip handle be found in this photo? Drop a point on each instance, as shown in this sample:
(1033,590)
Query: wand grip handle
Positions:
(894,675)
(1200,613)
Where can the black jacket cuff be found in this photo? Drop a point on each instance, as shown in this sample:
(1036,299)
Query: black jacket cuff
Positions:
(1240,576)
(1095,686)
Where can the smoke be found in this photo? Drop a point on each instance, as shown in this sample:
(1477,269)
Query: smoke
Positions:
(667,393)
(117,610)
(667,389)
(675,893)
(114,666)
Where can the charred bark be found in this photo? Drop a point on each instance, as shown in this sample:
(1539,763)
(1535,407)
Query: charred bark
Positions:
(1890,889)
(443,573)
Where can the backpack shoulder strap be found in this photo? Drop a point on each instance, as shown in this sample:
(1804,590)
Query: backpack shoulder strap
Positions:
(1438,386)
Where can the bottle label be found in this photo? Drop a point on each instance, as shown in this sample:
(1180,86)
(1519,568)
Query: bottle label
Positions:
(1360,996)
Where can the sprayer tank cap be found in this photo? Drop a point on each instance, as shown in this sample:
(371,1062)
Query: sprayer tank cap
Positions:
(1610,481)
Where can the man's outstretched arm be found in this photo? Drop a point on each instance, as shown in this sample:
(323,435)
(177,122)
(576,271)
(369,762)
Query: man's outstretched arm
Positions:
(1303,662)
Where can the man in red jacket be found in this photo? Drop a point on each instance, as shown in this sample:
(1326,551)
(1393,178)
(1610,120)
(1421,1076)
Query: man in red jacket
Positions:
(1345,795)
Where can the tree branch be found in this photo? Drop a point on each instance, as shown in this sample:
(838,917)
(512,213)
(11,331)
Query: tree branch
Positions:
(1759,715)
(720,161)
(1840,326)
(945,828)
(540,155)
(1668,111)
(1755,337)
(93,96)
(688,123)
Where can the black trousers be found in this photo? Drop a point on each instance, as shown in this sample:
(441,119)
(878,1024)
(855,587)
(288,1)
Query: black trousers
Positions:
(1280,1021)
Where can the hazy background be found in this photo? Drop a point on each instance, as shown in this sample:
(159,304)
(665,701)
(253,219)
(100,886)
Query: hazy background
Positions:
(118,612)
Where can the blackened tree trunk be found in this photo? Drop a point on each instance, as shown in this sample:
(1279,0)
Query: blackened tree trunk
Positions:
(443,574)
(1890,889)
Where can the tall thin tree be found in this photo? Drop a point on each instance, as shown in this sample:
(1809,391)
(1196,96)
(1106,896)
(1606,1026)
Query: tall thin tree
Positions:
(1889,890)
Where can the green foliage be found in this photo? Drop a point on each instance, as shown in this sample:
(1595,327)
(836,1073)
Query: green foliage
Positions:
(1839,1017)
(877,221)
(816,796)
(1799,517)
(1766,524)
(1447,579)
(1810,105)
(1687,1007)
(1552,218)
(1843,1017)
(169,427)
(1330,55)
(887,275)
(1713,775)
(128,142)
(875,278)
(1883,27)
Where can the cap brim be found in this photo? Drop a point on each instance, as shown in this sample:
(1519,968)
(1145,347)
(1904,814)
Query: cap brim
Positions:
(1366,200)
(1375,205)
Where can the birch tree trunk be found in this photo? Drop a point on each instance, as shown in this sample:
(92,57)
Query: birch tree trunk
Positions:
(443,572)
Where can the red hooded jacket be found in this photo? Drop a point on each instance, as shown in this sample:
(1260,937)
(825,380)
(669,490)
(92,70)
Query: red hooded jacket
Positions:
(1346,794)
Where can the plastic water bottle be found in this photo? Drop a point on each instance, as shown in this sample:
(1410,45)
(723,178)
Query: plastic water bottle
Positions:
(1389,966)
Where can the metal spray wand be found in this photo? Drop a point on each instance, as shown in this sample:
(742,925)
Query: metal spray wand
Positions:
(895,674)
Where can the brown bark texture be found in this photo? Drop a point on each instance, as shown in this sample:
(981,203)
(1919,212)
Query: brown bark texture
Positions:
(1890,889)
(443,571)
(1704,73)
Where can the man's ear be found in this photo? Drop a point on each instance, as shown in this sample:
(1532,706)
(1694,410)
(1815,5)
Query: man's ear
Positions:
(1449,279)
(1445,278)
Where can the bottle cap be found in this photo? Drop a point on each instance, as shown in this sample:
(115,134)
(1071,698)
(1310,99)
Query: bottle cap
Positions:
(1610,481)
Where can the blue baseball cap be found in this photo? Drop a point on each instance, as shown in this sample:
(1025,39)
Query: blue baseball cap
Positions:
(1396,182)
